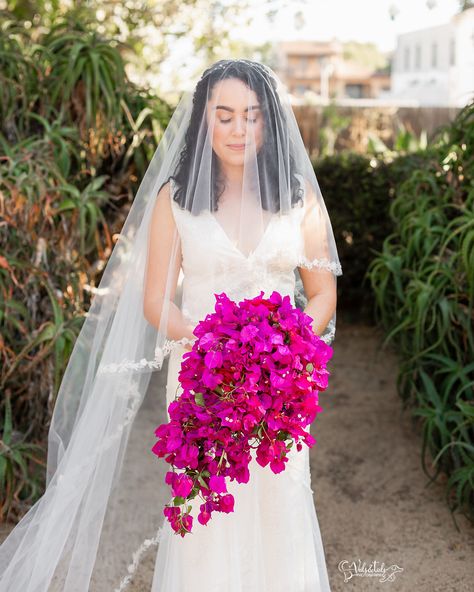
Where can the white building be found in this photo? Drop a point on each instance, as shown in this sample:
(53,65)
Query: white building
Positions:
(435,66)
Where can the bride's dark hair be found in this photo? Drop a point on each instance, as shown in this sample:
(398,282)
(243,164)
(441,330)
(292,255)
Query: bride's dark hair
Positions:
(259,79)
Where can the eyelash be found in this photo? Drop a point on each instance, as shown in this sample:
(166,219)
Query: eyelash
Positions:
(227,120)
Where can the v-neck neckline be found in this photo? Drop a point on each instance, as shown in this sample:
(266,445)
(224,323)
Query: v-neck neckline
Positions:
(236,249)
(224,233)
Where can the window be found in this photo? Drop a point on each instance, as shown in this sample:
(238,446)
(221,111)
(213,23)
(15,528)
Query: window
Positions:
(434,55)
(354,91)
(452,51)
(406,55)
(417,57)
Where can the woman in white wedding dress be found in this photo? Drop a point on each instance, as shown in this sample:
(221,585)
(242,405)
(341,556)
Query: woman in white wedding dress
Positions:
(229,203)
(271,541)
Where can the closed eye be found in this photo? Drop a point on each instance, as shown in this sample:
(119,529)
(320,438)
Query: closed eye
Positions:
(228,120)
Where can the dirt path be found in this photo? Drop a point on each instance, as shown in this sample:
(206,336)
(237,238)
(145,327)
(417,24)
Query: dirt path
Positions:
(370,492)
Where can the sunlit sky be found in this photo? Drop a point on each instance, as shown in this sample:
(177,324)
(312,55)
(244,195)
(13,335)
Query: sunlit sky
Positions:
(352,20)
(345,20)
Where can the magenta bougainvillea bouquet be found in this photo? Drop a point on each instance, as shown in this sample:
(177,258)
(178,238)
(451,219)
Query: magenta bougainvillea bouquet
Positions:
(251,380)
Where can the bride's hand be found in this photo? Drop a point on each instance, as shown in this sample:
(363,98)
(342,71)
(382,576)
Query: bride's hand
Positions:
(188,346)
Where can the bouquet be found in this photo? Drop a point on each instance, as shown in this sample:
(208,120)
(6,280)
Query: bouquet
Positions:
(251,381)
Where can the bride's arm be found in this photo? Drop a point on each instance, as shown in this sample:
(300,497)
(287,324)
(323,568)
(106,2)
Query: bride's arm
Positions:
(319,284)
(162,236)
(320,290)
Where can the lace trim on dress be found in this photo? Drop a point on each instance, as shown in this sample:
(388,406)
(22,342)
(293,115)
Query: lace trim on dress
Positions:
(333,266)
(160,354)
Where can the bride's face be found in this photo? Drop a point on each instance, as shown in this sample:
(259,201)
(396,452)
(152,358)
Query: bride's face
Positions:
(238,121)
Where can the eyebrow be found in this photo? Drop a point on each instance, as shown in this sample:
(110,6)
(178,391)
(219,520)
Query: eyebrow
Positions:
(232,110)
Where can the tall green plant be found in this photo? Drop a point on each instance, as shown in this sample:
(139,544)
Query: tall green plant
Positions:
(18,77)
(75,136)
(88,72)
(19,464)
(423,281)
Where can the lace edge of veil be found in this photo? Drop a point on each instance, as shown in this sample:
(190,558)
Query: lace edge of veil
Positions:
(138,556)
(156,363)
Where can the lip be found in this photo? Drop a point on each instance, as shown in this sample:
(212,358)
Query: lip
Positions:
(236,146)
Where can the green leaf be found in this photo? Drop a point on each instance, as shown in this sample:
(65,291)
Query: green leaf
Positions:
(7,424)
(66,204)
(3,468)
(199,399)
(202,482)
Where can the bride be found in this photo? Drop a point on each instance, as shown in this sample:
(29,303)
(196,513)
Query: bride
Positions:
(229,203)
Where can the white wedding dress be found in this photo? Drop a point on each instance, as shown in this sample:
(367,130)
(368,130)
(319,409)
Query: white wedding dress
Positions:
(271,542)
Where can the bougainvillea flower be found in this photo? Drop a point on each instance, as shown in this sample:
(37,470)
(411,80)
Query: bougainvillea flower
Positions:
(251,380)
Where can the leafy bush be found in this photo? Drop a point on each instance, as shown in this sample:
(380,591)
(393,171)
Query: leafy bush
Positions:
(75,136)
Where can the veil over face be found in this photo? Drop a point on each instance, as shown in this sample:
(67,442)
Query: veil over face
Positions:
(229,203)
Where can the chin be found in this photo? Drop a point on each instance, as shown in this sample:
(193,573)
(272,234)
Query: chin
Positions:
(234,159)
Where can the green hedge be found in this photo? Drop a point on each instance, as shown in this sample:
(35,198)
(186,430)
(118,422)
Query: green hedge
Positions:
(358,192)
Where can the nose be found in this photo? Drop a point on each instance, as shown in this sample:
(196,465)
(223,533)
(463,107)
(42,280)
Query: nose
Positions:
(239,127)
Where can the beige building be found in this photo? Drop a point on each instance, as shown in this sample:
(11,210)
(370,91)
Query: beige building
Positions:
(319,66)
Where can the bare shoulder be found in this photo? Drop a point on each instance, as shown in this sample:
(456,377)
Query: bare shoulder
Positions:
(309,193)
(163,197)
(163,201)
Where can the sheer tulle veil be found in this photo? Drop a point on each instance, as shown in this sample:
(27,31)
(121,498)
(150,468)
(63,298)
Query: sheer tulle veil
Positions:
(97,511)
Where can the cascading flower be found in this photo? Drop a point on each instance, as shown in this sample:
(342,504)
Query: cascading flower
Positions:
(251,381)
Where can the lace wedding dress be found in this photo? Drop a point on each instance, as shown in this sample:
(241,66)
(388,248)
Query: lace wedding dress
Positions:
(271,542)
